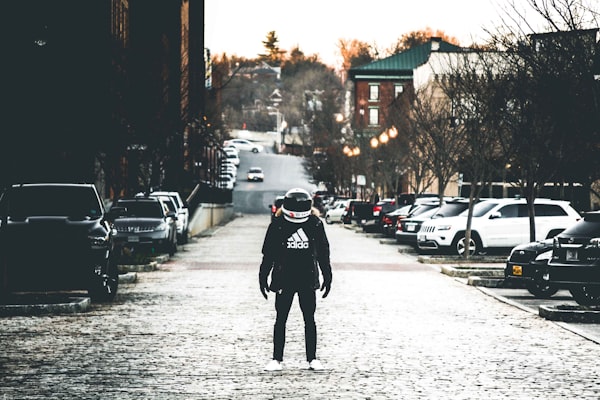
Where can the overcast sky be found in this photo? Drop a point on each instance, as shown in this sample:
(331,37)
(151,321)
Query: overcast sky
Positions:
(240,26)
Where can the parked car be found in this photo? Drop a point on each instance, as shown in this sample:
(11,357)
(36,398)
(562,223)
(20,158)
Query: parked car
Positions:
(232,155)
(228,169)
(496,223)
(183,214)
(276,205)
(389,219)
(244,144)
(56,236)
(145,224)
(528,264)
(372,221)
(225,182)
(409,227)
(336,212)
(255,174)
(575,261)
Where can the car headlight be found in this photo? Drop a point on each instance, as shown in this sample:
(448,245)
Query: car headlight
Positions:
(545,256)
(444,227)
(98,240)
(161,227)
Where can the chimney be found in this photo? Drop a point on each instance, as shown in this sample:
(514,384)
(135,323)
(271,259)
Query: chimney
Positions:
(435,43)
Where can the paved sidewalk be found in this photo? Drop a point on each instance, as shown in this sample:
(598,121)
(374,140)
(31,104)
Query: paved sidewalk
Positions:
(198,328)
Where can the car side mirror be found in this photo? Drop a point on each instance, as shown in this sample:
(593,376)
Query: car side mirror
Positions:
(495,215)
(172,214)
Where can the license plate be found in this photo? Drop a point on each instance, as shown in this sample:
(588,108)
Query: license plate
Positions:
(410,227)
(572,255)
(133,239)
(517,270)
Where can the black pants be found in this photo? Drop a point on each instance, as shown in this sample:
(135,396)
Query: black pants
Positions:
(308,305)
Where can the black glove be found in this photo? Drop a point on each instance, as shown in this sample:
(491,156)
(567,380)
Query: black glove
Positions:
(264,288)
(327,287)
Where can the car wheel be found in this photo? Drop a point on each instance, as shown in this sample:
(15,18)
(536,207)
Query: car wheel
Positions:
(172,246)
(104,288)
(459,245)
(586,295)
(328,219)
(540,288)
(184,237)
(255,150)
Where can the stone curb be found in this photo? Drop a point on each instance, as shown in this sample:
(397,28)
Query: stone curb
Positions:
(465,271)
(485,282)
(151,266)
(569,313)
(71,305)
(456,260)
(129,277)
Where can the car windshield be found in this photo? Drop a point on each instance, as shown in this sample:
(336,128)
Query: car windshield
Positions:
(142,209)
(69,201)
(450,210)
(428,213)
(480,209)
(255,170)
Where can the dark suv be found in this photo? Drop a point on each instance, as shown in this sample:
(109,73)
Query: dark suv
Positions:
(145,224)
(575,261)
(56,236)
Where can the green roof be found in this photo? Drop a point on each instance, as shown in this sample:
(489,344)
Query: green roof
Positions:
(402,64)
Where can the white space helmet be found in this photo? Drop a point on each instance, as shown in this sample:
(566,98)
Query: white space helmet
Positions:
(297,205)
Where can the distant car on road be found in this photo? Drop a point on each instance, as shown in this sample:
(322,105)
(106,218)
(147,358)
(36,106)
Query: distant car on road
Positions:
(244,144)
(255,174)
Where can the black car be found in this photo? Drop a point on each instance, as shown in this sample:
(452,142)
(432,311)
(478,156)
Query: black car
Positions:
(389,219)
(528,264)
(145,224)
(575,261)
(57,236)
(276,205)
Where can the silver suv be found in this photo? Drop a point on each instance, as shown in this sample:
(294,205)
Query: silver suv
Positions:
(496,223)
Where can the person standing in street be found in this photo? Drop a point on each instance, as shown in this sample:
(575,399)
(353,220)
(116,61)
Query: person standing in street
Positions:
(294,249)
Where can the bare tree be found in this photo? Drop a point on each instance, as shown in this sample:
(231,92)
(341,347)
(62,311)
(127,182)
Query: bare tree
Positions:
(551,108)
(471,87)
(438,141)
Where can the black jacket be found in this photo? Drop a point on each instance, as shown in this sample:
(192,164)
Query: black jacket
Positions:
(293,254)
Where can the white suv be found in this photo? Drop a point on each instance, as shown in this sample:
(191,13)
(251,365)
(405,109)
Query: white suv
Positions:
(183,214)
(499,223)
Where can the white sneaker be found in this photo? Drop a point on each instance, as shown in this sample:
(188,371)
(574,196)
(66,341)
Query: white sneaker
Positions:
(315,365)
(273,365)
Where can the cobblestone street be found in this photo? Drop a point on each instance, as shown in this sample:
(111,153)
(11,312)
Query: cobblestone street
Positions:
(198,328)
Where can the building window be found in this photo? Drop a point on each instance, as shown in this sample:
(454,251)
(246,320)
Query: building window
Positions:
(373,116)
(374,92)
(398,89)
